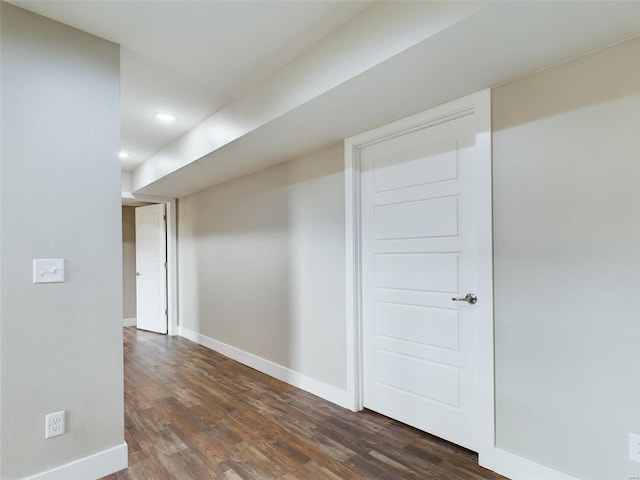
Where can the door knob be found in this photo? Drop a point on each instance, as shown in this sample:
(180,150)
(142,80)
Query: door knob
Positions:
(469,298)
(138,274)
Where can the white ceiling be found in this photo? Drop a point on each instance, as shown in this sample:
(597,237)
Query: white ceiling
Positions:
(257,83)
(193,57)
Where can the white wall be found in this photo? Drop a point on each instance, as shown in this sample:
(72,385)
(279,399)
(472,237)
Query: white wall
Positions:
(61,344)
(261,265)
(128,262)
(567,264)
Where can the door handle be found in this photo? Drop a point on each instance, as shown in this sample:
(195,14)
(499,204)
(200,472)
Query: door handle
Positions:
(138,274)
(469,298)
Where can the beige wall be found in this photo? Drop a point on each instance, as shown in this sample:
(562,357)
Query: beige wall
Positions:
(567,264)
(262,265)
(128,262)
(60,344)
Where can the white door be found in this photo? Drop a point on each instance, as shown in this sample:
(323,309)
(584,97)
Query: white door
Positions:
(151,277)
(419,251)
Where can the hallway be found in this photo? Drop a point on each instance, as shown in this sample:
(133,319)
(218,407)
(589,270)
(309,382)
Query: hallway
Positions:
(192,413)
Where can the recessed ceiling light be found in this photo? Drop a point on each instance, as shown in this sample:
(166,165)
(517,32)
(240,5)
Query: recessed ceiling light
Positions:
(165,117)
(123,155)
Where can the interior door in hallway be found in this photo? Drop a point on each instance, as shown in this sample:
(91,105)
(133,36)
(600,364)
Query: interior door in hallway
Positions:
(419,209)
(151,271)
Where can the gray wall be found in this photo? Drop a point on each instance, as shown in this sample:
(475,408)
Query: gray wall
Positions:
(567,263)
(60,344)
(128,262)
(262,265)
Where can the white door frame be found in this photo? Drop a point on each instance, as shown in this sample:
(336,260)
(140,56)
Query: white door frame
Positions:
(480,105)
(172,258)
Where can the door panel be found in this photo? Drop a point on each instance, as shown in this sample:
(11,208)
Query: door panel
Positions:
(434,381)
(437,217)
(437,327)
(406,271)
(418,236)
(151,279)
(418,166)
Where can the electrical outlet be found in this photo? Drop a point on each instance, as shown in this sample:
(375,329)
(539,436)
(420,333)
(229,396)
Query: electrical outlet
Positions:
(55,424)
(634,447)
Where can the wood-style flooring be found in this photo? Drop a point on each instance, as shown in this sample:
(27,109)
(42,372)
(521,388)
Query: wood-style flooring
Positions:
(191,413)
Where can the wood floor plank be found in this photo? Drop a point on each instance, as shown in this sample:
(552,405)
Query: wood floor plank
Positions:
(194,414)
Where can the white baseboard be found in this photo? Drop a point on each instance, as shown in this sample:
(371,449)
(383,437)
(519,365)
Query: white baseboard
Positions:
(129,322)
(311,385)
(519,468)
(94,466)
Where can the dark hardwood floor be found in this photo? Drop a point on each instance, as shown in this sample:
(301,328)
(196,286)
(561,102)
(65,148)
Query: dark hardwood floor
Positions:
(192,413)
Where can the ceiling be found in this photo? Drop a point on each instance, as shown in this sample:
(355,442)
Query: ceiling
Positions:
(257,83)
(192,57)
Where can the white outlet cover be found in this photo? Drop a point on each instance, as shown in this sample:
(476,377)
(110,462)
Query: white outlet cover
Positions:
(55,424)
(48,270)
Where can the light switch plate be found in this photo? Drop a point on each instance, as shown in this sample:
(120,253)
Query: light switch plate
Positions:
(48,270)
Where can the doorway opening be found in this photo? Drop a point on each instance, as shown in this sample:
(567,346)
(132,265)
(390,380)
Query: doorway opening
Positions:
(150,279)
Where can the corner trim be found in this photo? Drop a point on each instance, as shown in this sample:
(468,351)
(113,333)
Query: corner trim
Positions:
(519,468)
(97,465)
(297,379)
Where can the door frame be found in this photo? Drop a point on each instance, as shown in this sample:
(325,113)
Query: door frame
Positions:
(172,257)
(478,104)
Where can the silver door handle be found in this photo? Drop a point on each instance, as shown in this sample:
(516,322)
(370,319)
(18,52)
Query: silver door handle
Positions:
(138,274)
(469,298)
